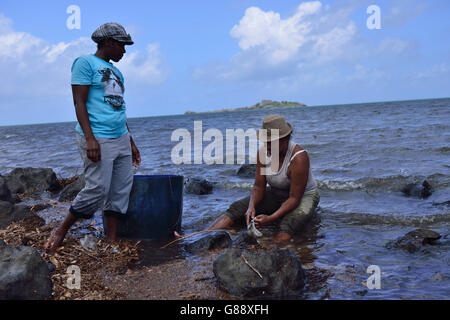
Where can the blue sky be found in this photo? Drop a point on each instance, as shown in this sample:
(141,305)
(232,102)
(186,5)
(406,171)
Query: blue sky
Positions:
(207,55)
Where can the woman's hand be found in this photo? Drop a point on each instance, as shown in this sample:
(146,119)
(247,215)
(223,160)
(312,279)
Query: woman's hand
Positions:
(250,214)
(263,220)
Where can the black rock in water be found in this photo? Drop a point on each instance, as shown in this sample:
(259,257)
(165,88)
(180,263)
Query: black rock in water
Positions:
(24,275)
(416,190)
(209,241)
(198,186)
(244,239)
(281,273)
(10,213)
(247,171)
(22,180)
(70,191)
(5,193)
(414,240)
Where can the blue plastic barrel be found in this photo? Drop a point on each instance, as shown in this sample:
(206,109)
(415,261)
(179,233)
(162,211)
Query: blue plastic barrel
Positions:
(155,208)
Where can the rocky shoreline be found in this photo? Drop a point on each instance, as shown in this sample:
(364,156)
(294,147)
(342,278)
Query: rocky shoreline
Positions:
(112,272)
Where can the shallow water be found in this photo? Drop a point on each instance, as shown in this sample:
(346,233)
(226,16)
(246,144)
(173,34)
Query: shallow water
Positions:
(361,156)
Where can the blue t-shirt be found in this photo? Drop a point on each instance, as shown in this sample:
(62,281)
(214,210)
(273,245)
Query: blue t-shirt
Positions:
(105,104)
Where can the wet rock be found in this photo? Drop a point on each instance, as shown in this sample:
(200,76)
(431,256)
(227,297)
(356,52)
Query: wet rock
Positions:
(22,180)
(281,272)
(247,171)
(5,193)
(244,239)
(414,240)
(10,213)
(422,191)
(24,274)
(198,186)
(70,191)
(209,241)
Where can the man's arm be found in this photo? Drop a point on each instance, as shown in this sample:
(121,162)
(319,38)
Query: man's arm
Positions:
(80,95)
(136,156)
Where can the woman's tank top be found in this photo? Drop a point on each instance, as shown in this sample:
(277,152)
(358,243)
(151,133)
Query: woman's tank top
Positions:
(280,182)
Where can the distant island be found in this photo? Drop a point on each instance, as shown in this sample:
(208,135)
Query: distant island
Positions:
(264,104)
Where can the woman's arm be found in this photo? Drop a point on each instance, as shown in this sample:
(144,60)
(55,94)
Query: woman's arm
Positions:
(259,187)
(298,173)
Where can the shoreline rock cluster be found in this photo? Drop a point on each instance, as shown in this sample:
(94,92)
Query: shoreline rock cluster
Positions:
(245,269)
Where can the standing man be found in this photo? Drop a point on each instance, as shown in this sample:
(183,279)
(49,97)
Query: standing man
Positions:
(104,142)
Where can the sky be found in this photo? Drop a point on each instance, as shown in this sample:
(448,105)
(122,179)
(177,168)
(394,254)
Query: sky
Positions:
(208,55)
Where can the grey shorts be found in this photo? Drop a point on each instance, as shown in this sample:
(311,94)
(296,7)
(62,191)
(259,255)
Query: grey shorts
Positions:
(108,182)
(290,223)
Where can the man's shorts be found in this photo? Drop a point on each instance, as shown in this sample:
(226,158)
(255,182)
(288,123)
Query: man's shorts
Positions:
(108,182)
(291,222)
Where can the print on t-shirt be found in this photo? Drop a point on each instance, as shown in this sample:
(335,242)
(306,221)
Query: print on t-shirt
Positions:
(113,87)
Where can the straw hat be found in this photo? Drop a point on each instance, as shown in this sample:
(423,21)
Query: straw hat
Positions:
(274,121)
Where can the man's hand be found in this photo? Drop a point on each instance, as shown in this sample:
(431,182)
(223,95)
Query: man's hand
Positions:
(136,156)
(93,151)
(262,220)
(250,214)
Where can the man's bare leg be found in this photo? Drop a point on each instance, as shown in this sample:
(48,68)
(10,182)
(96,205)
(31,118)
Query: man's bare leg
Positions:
(57,235)
(112,225)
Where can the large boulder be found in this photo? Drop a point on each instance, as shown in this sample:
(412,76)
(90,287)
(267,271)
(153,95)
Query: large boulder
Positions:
(247,171)
(198,186)
(24,274)
(423,190)
(209,241)
(71,190)
(281,273)
(5,193)
(10,213)
(414,240)
(22,180)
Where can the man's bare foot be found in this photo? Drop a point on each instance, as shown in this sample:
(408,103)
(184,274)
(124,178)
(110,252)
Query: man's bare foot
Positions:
(55,240)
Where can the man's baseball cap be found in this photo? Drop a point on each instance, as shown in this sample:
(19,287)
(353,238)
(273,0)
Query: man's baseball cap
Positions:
(111,30)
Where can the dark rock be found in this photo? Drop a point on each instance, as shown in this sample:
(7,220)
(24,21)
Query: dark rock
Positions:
(414,240)
(281,271)
(71,190)
(247,171)
(22,180)
(51,267)
(416,190)
(24,274)
(10,213)
(244,239)
(198,186)
(209,241)
(5,193)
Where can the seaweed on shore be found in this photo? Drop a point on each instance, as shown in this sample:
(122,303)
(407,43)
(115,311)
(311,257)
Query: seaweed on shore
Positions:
(93,265)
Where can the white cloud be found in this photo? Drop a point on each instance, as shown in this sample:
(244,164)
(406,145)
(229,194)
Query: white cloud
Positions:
(273,47)
(36,67)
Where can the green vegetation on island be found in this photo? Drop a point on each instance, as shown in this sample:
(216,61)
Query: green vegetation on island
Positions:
(264,104)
